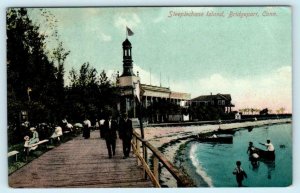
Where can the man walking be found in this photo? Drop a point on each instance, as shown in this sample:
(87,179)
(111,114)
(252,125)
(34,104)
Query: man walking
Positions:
(125,133)
(110,135)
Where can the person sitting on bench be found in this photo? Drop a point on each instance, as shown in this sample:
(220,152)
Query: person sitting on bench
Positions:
(29,142)
(35,136)
(27,146)
(57,134)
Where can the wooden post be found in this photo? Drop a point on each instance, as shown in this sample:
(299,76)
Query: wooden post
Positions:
(145,158)
(155,168)
(138,147)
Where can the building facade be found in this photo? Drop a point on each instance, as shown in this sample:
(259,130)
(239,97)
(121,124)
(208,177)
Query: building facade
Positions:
(222,101)
(151,97)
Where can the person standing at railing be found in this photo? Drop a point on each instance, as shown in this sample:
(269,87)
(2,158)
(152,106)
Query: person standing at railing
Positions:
(125,132)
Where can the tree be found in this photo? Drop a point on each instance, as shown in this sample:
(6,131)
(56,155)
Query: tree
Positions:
(280,110)
(28,66)
(31,73)
(91,94)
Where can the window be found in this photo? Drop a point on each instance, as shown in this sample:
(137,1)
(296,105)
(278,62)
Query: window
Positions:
(221,102)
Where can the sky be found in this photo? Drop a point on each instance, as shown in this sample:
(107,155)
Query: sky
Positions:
(198,50)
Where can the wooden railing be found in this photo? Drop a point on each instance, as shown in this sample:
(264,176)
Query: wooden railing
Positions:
(140,148)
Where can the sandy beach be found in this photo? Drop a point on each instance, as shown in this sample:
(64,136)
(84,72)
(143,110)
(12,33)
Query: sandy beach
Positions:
(168,139)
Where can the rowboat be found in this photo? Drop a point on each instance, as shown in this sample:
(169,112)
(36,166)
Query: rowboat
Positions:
(225,131)
(219,139)
(267,155)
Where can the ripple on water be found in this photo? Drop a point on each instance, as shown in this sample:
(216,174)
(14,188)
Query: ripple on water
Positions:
(215,162)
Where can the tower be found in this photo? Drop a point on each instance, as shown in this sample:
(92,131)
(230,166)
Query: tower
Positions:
(127,59)
(127,82)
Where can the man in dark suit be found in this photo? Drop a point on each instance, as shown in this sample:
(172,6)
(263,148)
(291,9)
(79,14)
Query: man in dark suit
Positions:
(125,132)
(110,135)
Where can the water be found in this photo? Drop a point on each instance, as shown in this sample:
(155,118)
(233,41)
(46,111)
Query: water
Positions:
(213,164)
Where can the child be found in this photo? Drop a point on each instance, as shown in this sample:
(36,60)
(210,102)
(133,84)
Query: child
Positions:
(239,173)
(27,146)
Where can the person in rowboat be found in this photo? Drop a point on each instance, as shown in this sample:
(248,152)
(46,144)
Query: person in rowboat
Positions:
(269,145)
(253,156)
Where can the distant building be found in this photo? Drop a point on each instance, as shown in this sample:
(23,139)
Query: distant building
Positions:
(237,116)
(150,94)
(155,93)
(222,101)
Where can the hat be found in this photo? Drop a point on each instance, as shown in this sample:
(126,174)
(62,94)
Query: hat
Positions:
(32,129)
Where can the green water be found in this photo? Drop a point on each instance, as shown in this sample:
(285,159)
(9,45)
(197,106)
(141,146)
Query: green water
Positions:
(212,164)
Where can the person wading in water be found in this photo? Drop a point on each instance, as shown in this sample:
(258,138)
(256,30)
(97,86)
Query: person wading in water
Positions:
(239,173)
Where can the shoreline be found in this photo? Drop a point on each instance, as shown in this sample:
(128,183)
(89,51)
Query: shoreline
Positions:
(169,139)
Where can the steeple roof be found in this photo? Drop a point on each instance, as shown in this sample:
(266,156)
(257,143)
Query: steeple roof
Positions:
(126,43)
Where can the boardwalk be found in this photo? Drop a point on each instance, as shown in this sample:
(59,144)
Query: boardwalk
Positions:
(81,163)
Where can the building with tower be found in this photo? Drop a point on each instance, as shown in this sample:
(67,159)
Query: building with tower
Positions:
(127,82)
(152,98)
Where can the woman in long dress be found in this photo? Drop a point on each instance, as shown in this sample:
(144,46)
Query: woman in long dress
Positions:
(35,136)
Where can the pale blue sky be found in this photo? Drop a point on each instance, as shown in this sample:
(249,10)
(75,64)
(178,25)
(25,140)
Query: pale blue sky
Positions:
(249,58)
(16,3)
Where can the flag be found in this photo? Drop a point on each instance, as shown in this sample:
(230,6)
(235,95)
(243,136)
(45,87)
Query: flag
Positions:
(129,32)
(138,91)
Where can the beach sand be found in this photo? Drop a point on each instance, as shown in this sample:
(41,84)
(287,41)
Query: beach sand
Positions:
(168,140)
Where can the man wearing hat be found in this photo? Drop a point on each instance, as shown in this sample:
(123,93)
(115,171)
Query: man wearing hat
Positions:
(110,128)
(125,132)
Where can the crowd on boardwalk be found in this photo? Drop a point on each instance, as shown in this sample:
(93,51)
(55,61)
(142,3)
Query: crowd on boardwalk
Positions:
(109,129)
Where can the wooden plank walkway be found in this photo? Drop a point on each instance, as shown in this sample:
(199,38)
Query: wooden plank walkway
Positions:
(81,163)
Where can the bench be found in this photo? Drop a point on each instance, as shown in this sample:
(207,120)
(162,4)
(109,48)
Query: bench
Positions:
(12,153)
(27,148)
(58,138)
(66,132)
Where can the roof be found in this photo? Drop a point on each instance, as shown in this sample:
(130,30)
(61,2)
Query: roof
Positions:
(167,91)
(180,95)
(126,43)
(155,88)
(212,97)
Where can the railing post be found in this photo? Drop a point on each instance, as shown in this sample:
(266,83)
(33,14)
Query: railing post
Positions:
(138,147)
(145,158)
(155,168)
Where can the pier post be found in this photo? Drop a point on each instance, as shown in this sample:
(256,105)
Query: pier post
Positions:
(155,168)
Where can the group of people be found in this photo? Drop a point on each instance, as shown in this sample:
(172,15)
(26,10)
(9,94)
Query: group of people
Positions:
(108,129)
(253,157)
(109,132)
(29,142)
